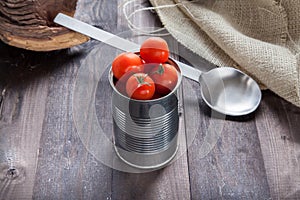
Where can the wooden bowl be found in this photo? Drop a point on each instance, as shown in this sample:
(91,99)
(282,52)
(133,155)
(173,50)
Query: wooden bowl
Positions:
(29,25)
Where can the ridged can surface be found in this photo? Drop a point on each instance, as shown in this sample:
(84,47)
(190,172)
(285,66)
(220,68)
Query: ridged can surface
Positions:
(146,131)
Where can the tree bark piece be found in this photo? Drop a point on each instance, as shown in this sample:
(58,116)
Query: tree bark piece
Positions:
(29,24)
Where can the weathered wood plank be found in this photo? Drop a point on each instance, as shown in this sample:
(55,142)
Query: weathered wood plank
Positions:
(65,166)
(233,169)
(66,170)
(278,130)
(225,159)
(22,112)
(102,13)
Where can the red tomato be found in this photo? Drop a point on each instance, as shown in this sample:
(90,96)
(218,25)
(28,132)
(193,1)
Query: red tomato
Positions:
(127,63)
(165,78)
(154,50)
(140,86)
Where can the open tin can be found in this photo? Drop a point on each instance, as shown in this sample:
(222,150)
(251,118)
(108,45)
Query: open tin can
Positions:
(146,131)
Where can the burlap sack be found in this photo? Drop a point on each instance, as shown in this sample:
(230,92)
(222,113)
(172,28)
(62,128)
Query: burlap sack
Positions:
(261,37)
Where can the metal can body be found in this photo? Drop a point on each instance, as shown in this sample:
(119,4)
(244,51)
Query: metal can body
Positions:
(146,131)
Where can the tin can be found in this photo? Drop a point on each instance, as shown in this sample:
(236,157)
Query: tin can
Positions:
(146,131)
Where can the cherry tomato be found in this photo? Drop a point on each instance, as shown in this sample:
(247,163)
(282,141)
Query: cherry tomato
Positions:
(127,63)
(140,86)
(165,78)
(154,50)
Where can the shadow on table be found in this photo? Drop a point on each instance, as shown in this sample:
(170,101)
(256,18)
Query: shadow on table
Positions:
(20,66)
(139,186)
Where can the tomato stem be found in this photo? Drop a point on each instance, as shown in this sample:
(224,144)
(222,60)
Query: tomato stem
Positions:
(160,70)
(141,79)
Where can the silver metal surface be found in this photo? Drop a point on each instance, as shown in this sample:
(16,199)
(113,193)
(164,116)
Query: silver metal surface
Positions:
(145,131)
(230,91)
(226,90)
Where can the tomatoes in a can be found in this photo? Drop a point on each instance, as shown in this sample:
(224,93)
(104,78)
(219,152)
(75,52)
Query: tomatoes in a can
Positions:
(165,78)
(140,86)
(154,50)
(127,63)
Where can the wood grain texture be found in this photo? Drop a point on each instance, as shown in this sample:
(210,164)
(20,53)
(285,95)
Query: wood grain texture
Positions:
(278,126)
(64,164)
(22,114)
(225,159)
(66,169)
(233,168)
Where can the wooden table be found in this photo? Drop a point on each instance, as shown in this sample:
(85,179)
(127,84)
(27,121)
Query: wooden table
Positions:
(43,156)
